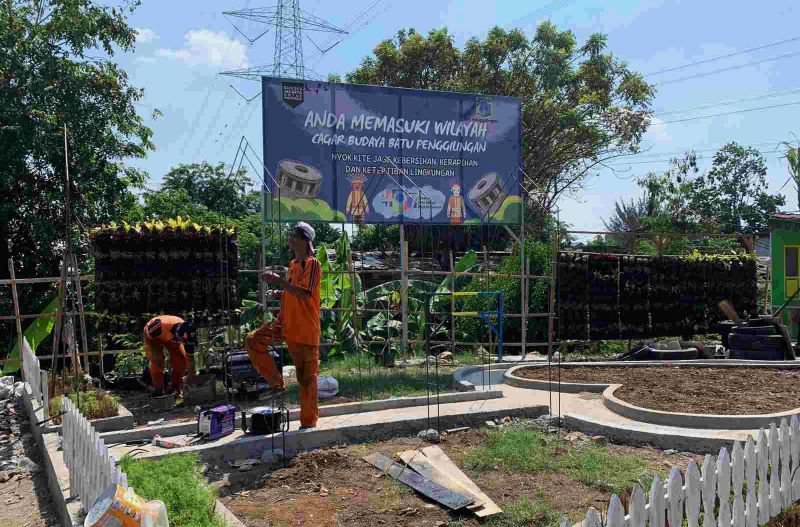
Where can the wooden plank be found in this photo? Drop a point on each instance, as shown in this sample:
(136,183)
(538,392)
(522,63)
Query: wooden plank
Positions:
(425,487)
(419,463)
(441,462)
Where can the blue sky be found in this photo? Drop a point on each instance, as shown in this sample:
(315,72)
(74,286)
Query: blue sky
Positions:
(183,45)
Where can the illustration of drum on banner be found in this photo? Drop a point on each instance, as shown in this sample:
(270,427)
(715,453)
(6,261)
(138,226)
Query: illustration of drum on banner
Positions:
(298,180)
(374,154)
(487,195)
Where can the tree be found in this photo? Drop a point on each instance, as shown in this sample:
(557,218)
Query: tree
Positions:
(629,216)
(581,105)
(670,198)
(214,187)
(793,162)
(51,79)
(735,190)
(731,197)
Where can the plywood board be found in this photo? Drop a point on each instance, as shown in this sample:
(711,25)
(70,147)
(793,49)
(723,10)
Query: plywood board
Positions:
(441,462)
(419,462)
(434,491)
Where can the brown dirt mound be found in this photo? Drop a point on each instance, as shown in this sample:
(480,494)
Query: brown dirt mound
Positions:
(721,391)
(336,487)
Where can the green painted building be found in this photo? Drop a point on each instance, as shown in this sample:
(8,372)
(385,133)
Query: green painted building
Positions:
(785,267)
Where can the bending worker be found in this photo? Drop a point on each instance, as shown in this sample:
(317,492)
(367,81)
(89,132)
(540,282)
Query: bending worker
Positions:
(297,323)
(177,335)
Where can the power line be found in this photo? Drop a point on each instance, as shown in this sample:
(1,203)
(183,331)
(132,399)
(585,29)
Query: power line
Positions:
(769,95)
(731,113)
(704,149)
(204,137)
(729,68)
(545,10)
(326,46)
(726,56)
(670,159)
(189,132)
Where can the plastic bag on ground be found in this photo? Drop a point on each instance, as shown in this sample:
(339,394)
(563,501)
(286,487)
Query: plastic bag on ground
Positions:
(327,387)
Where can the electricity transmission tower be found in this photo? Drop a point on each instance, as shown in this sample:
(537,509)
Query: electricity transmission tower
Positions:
(289,22)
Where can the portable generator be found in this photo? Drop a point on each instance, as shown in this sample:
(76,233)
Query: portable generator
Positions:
(265,420)
(216,422)
(239,374)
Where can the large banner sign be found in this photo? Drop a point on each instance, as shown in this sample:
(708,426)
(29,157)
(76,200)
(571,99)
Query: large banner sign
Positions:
(354,153)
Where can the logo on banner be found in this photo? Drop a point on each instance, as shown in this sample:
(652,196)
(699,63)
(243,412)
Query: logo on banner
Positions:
(484,108)
(293,93)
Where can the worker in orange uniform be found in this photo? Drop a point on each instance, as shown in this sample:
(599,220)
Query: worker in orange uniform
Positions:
(297,323)
(177,335)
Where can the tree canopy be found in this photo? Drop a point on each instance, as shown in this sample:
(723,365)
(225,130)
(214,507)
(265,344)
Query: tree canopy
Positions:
(51,77)
(731,197)
(581,105)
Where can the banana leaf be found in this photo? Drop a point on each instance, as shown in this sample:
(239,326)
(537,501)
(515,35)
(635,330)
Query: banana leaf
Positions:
(419,289)
(466,264)
(39,330)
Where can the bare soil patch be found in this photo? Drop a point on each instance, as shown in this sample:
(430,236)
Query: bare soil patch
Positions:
(24,496)
(335,487)
(722,391)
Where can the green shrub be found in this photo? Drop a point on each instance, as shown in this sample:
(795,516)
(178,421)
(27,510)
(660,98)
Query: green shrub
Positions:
(130,363)
(539,256)
(176,480)
(92,404)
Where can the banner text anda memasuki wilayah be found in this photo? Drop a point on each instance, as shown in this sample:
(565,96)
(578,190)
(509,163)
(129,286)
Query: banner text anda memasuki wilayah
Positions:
(347,152)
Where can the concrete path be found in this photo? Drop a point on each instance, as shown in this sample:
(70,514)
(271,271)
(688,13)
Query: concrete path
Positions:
(372,425)
(584,412)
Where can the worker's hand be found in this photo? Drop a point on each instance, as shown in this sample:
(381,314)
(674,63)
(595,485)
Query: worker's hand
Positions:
(271,278)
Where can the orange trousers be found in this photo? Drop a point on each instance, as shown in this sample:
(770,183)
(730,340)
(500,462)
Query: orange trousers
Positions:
(177,360)
(306,363)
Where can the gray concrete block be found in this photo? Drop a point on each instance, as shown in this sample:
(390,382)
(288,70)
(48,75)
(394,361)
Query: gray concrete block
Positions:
(175,429)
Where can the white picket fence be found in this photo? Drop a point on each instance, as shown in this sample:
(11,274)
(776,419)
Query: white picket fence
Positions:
(91,468)
(35,377)
(754,483)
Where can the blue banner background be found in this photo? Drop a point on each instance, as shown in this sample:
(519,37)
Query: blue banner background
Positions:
(323,164)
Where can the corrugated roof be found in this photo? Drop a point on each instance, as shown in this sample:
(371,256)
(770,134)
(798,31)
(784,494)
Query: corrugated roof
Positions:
(786,216)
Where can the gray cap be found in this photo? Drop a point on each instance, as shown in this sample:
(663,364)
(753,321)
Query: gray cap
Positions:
(307,229)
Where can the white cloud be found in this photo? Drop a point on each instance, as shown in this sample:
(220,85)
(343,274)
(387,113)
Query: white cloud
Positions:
(203,46)
(145,35)
(658,131)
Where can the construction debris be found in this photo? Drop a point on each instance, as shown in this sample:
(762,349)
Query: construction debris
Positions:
(433,464)
(456,430)
(430,435)
(451,500)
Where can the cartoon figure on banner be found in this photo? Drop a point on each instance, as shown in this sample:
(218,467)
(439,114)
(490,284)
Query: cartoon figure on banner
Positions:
(357,204)
(456,209)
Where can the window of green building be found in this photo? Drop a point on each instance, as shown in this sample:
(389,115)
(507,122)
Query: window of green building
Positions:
(791,254)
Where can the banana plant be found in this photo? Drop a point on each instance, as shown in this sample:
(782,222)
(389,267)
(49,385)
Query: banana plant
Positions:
(39,329)
(340,295)
(466,264)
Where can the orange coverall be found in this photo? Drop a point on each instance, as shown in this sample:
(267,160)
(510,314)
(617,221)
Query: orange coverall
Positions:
(299,325)
(157,336)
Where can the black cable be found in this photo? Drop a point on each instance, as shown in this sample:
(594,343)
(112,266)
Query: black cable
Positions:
(721,57)
(734,112)
(769,95)
(728,68)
